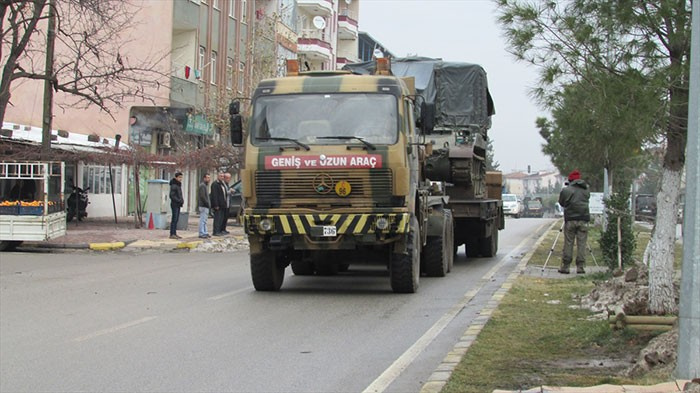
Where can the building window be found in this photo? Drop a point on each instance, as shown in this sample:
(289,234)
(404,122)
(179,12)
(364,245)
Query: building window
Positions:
(200,64)
(244,10)
(241,77)
(229,73)
(97,178)
(231,9)
(215,4)
(213,67)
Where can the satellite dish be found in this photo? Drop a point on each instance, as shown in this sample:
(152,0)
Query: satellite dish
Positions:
(319,22)
(348,1)
(378,54)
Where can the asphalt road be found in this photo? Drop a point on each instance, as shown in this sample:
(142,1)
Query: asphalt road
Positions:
(192,322)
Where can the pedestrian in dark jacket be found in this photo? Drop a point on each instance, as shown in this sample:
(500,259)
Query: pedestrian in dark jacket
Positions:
(203,205)
(219,198)
(574,199)
(176,202)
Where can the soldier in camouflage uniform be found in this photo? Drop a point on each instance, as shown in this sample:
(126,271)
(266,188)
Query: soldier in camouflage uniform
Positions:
(574,199)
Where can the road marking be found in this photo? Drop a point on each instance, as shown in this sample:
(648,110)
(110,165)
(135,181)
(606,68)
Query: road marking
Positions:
(114,329)
(390,374)
(227,294)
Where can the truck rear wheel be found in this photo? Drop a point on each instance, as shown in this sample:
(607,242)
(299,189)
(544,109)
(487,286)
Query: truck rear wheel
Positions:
(489,245)
(267,271)
(472,247)
(303,268)
(450,240)
(436,253)
(405,268)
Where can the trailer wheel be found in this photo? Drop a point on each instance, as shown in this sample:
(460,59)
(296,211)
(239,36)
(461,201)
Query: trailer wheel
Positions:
(472,247)
(405,268)
(9,245)
(435,255)
(489,245)
(267,271)
(303,268)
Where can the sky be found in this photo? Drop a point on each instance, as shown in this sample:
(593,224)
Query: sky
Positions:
(467,31)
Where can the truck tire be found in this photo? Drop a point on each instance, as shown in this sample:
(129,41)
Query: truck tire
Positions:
(489,245)
(9,245)
(450,246)
(472,247)
(303,268)
(266,271)
(435,254)
(405,268)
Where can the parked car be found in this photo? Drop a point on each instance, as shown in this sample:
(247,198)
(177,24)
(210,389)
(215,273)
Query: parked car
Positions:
(645,207)
(235,202)
(512,206)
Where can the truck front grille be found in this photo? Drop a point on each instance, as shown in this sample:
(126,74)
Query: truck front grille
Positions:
(276,188)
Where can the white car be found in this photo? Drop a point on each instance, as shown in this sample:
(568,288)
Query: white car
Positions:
(512,206)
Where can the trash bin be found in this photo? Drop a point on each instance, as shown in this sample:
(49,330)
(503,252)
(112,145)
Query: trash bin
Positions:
(182,222)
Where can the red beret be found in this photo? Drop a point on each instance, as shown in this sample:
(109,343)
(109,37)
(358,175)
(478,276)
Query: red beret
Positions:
(575,175)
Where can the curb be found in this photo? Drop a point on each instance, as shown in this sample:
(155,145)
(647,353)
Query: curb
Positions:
(438,379)
(107,246)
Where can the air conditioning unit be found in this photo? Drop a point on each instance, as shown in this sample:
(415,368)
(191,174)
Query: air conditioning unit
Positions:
(164,140)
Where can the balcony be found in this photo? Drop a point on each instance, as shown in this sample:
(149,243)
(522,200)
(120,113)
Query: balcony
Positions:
(316,7)
(347,27)
(312,43)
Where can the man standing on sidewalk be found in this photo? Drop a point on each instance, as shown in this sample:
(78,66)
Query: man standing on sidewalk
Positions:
(229,190)
(574,199)
(219,204)
(204,205)
(176,202)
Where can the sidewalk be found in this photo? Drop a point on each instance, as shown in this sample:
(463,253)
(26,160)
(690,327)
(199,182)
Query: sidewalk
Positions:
(102,234)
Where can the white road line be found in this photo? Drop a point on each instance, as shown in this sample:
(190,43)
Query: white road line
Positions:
(390,374)
(113,329)
(227,294)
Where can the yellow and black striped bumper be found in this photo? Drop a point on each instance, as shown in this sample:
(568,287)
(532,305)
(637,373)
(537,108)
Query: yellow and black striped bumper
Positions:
(313,224)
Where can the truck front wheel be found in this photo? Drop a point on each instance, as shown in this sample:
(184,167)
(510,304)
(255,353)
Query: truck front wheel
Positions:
(405,268)
(9,245)
(267,271)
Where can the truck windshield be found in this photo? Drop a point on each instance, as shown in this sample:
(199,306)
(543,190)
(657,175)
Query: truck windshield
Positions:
(309,117)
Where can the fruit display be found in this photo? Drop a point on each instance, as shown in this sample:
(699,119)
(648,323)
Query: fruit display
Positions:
(27,207)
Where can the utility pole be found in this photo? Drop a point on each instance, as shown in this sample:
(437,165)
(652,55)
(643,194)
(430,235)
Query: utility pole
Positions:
(688,366)
(48,82)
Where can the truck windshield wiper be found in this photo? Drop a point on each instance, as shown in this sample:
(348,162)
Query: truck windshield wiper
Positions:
(306,147)
(342,137)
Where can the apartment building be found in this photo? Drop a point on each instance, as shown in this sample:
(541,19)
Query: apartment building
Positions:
(205,51)
(328,33)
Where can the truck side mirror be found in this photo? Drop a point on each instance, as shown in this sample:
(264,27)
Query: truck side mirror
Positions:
(427,117)
(236,123)
(236,129)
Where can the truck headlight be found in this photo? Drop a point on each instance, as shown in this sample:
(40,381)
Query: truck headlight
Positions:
(382,223)
(265,224)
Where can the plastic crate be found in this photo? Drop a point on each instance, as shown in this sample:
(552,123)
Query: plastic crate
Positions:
(31,210)
(9,210)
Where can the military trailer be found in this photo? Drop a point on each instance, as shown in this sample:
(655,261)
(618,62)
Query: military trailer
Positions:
(333,176)
(456,108)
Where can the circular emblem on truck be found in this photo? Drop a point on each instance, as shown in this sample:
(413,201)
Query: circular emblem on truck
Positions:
(343,188)
(323,183)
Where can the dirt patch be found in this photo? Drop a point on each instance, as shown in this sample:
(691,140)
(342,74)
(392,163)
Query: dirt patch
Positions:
(628,293)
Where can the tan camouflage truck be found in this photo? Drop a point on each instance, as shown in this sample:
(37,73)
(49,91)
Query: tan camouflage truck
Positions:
(333,176)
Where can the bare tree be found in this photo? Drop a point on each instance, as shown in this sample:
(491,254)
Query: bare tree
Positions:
(91,62)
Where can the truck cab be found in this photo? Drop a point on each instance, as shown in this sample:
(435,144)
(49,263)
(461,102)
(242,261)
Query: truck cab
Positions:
(332,177)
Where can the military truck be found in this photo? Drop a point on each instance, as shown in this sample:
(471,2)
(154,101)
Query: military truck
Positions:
(334,175)
(456,108)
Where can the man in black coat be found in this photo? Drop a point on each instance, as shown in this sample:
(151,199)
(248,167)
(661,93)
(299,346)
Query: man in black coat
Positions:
(219,204)
(176,202)
(574,199)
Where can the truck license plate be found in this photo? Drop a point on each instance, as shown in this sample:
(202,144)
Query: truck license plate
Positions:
(329,230)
